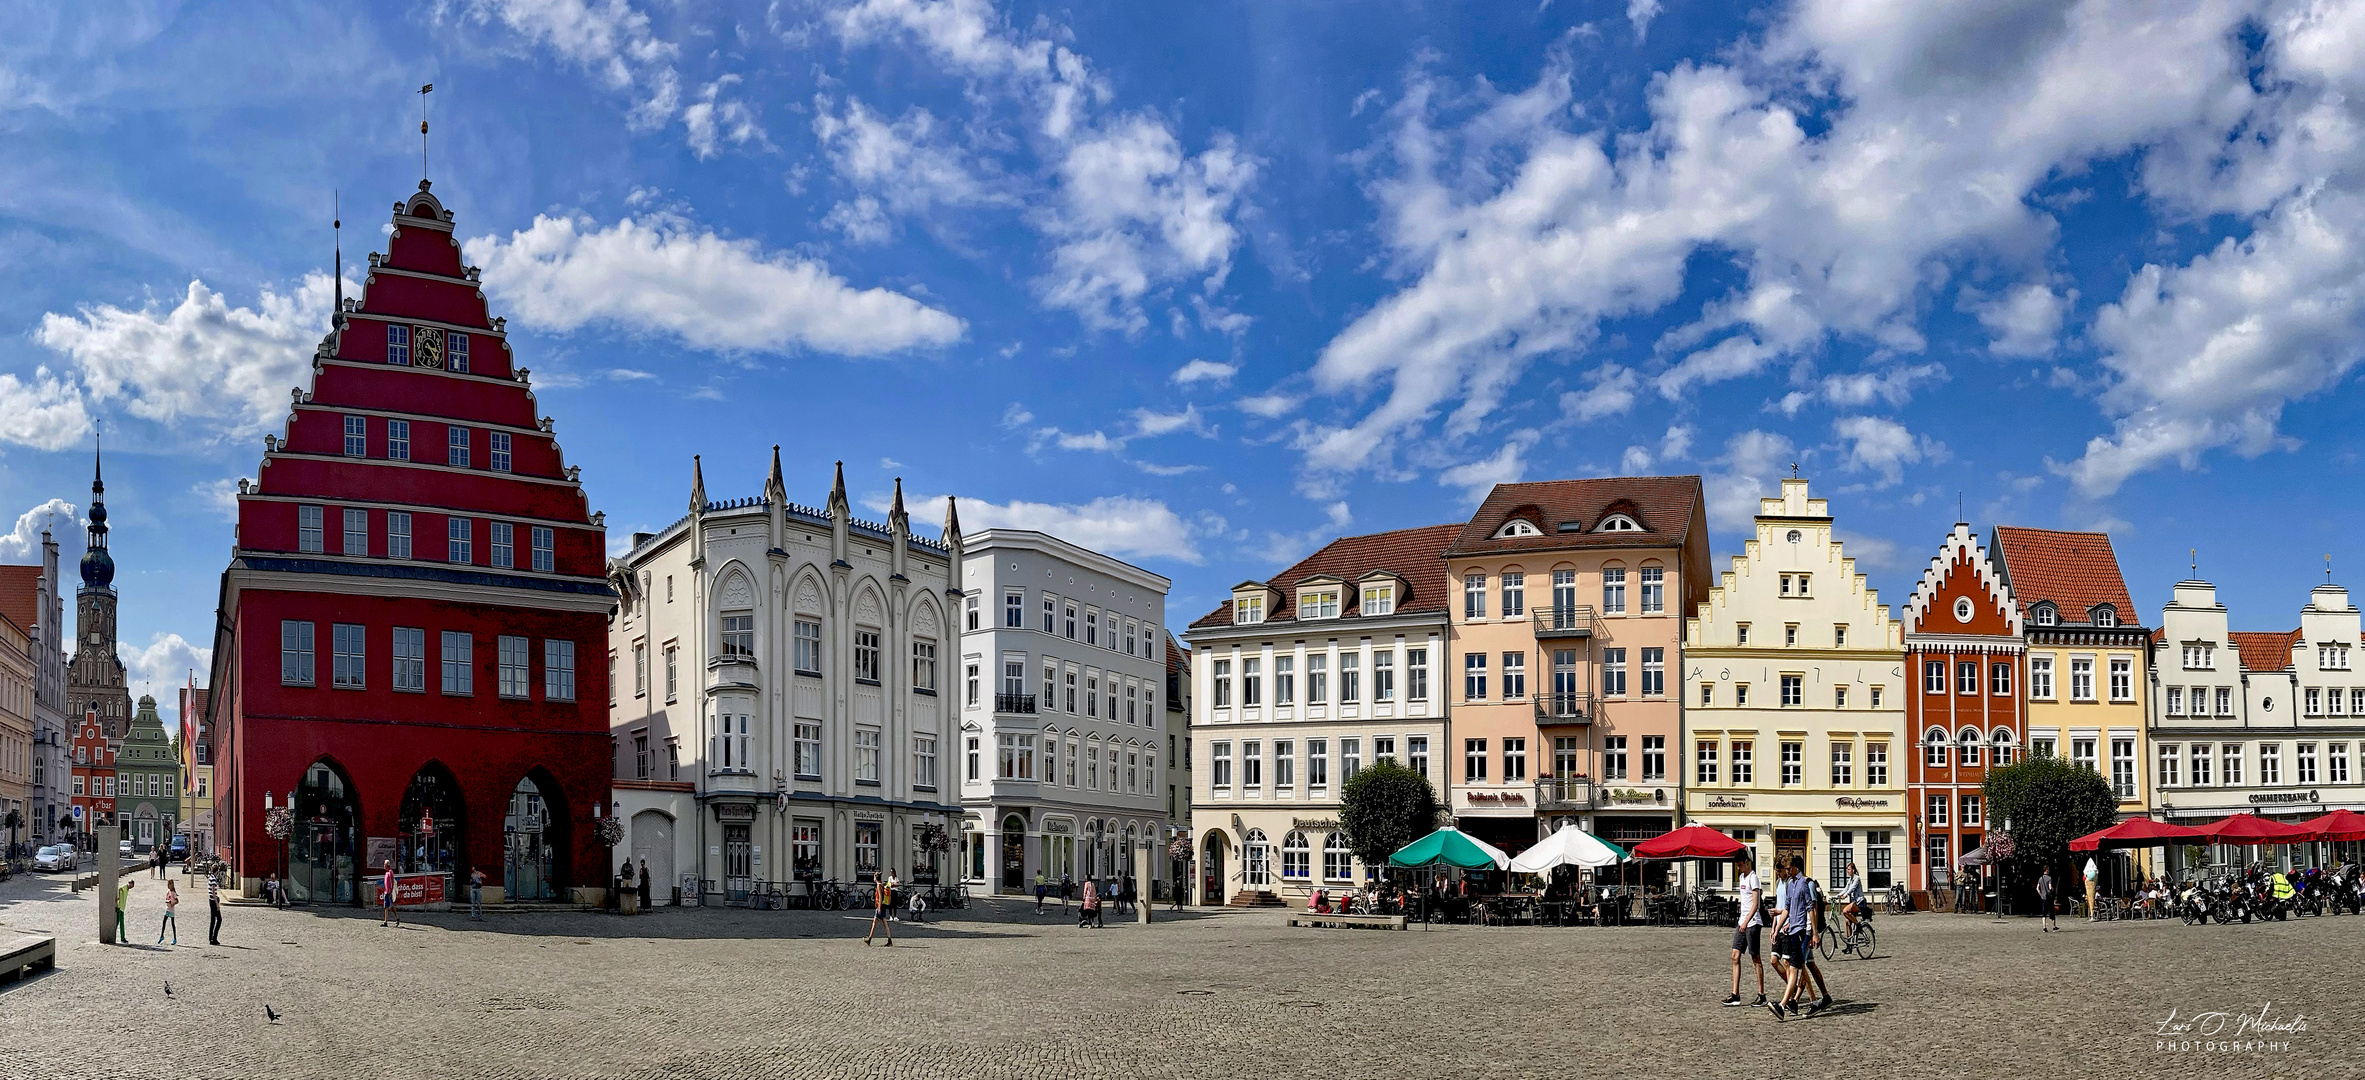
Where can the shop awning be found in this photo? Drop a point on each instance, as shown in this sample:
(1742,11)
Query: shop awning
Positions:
(2252,829)
(2135,833)
(1450,847)
(1689,842)
(2339,825)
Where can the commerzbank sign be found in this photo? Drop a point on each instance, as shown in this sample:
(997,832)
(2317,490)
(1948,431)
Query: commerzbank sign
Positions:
(2266,797)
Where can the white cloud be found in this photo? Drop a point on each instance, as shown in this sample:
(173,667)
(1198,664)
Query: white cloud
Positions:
(200,361)
(1504,466)
(1121,525)
(616,43)
(1612,393)
(1518,236)
(1752,468)
(23,543)
(219,496)
(45,413)
(162,667)
(1149,424)
(2024,321)
(630,375)
(713,120)
(1640,13)
(1271,406)
(662,275)
(1145,424)
(1894,386)
(1884,447)
(1677,443)
(1636,462)
(1209,371)
(903,167)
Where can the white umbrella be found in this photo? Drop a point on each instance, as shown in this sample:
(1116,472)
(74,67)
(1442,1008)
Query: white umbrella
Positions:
(1570,846)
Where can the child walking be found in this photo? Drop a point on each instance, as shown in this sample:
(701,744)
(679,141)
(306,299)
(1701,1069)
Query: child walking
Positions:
(172,903)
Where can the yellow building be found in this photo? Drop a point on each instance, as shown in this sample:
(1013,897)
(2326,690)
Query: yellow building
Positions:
(2088,655)
(1794,700)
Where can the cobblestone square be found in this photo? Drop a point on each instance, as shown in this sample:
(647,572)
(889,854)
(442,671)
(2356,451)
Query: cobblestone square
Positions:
(996,991)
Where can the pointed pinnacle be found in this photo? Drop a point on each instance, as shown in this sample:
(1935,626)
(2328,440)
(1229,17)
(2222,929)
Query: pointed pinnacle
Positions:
(697,484)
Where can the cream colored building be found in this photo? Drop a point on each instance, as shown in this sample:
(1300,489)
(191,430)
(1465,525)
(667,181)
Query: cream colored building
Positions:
(1793,692)
(16,729)
(1299,681)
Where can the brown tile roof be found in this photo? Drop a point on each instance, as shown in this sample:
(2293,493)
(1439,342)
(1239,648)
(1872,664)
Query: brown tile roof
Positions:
(2269,651)
(1178,660)
(1663,505)
(2074,570)
(20,595)
(1417,554)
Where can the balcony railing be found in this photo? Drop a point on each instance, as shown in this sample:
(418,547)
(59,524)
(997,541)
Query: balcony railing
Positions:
(1564,620)
(1564,709)
(1575,793)
(1014,703)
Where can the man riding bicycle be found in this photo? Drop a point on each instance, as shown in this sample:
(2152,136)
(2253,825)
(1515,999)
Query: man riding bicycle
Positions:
(1851,894)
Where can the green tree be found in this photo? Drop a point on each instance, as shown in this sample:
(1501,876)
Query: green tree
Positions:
(1385,807)
(2049,802)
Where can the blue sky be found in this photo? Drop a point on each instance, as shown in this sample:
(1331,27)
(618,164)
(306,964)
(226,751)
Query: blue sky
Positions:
(1206,287)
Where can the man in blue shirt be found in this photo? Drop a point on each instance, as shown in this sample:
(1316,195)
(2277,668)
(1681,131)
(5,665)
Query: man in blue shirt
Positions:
(1790,937)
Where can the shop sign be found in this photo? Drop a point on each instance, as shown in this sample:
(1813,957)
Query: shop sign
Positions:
(1498,798)
(379,851)
(411,890)
(1058,826)
(1728,802)
(1851,802)
(2307,796)
(734,811)
(1634,795)
(1327,824)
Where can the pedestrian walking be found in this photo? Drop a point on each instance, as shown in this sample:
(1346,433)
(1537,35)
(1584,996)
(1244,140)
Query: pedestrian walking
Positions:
(213,908)
(1790,939)
(1067,887)
(386,910)
(882,916)
(644,884)
(1039,889)
(172,905)
(1819,904)
(1090,908)
(2045,901)
(1747,937)
(122,904)
(476,894)
(1128,898)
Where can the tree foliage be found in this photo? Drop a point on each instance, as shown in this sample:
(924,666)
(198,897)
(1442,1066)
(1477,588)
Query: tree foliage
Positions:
(1383,808)
(2049,802)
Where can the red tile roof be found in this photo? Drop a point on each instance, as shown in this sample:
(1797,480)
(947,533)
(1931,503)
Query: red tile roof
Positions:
(1416,554)
(2074,570)
(1662,505)
(1178,660)
(2268,651)
(20,596)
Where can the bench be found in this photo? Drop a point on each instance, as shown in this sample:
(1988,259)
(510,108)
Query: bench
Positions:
(1345,922)
(20,954)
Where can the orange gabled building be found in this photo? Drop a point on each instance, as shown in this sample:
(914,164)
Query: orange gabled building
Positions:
(1964,665)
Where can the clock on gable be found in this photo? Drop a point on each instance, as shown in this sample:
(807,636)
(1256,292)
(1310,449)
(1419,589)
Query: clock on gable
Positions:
(426,347)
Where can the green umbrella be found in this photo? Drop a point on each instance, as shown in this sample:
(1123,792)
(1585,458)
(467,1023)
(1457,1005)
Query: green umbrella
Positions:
(1450,847)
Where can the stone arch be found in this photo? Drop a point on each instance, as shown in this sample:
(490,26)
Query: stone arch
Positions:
(324,843)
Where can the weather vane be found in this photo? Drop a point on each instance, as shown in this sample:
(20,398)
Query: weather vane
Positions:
(423,92)
(1794,470)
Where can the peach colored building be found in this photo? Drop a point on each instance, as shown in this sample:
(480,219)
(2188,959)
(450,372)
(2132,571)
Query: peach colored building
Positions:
(1567,601)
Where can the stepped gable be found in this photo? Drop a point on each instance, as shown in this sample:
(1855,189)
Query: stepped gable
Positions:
(2077,571)
(1962,554)
(420,346)
(1417,554)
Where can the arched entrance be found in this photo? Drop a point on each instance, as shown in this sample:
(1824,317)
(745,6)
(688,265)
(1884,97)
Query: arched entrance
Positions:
(1256,861)
(652,845)
(324,840)
(1014,853)
(433,826)
(1211,869)
(534,835)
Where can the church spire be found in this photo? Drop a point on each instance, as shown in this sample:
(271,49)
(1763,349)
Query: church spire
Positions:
(98,567)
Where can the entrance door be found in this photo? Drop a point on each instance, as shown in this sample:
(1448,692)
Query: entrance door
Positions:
(1014,853)
(738,860)
(1256,856)
(528,850)
(652,844)
(1211,870)
(322,860)
(1789,842)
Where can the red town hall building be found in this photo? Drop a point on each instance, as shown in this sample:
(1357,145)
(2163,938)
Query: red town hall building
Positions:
(410,625)
(1965,653)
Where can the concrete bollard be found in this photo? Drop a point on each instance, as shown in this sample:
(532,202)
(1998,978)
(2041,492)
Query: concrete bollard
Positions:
(110,867)
(1142,890)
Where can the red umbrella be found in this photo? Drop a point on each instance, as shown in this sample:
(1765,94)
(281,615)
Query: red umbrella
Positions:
(2337,825)
(1689,842)
(2133,833)
(2252,829)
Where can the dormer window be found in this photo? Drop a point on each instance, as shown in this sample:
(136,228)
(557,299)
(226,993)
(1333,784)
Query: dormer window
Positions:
(2105,616)
(1248,609)
(1379,598)
(1322,603)
(1517,527)
(1618,523)
(2045,615)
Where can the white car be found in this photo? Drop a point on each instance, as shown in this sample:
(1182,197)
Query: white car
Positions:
(123,847)
(54,857)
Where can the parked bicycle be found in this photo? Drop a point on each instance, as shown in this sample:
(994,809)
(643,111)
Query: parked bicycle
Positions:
(1900,901)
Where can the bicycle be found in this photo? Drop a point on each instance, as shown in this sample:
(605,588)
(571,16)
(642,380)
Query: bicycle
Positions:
(1857,942)
(1899,900)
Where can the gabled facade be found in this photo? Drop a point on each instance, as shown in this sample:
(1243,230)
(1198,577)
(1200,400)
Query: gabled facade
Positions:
(2268,723)
(1296,683)
(1793,684)
(147,781)
(1063,660)
(409,626)
(1964,655)
(16,730)
(93,790)
(1564,663)
(782,703)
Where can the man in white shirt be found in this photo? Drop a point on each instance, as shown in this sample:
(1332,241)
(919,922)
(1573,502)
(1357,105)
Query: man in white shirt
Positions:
(1751,928)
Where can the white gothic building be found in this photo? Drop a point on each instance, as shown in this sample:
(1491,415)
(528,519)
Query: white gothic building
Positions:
(775,673)
(1063,666)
